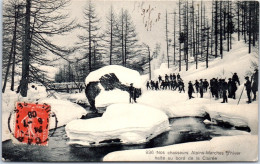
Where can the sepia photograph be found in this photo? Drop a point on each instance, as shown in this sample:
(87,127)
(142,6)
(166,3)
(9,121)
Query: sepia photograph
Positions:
(130,81)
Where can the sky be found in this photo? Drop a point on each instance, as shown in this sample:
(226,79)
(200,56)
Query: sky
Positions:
(155,12)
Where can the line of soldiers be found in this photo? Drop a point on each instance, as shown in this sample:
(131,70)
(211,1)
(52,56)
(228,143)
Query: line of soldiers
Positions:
(218,88)
(171,82)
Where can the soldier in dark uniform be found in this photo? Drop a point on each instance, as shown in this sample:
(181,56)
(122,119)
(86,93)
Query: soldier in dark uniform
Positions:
(197,86)
(178,76)
(131,92)
(255,83)
(235,78)
(234,89)
(156,85)
(224,91)
(152,84)
(214,88)
(160,78)
(190,90)
(174,76)
(220,88)
(148,85)
(248,89)
(171,77)
(166,78)
(205,85)
(201,88)
(135,94)
(181,86)
(162,85)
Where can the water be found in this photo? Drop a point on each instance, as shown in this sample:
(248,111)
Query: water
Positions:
(188,129)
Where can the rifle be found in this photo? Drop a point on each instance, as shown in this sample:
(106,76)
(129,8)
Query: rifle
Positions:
(241,95)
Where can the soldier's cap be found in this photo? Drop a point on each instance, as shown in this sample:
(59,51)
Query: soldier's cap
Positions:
(229,78)
(235,73)
(256,69)
(246,77)
(131,83)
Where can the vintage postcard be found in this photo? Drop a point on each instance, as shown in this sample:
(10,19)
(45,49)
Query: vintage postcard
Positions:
(141,81)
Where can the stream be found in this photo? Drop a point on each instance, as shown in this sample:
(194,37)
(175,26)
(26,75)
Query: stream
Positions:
(182,130)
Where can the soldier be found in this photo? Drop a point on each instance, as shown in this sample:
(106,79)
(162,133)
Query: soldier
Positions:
(214,88)
(131,92)
(234,89)
(190,90)
(156,85)
(171,77)
(162,85)
(224,90)
(135,94)
(197,86)
(166,78)
(160,78)
(248,89)
(171,85)
(152,84)
(174,84)
(201,88)
(178,76)
(229,88)
(235,78)
(174,76)
(220,88)
(181,86)
(255,83)
(148,85)
(205,85)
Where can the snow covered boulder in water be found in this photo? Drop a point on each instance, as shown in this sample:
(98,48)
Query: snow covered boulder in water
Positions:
(110,84)
(121,123)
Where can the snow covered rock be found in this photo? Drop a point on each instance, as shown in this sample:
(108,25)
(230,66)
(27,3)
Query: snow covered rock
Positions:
(36,91)
(123,123)
(106,80)
(65,111)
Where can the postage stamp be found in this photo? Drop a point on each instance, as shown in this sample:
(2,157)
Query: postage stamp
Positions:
(32,123)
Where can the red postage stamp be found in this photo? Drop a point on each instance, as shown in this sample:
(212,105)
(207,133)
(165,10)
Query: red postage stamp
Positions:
(32,123)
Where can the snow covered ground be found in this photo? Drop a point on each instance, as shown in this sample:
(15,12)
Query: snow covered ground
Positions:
(126,123)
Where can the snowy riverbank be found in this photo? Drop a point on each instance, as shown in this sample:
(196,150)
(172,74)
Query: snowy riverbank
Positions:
(230,148)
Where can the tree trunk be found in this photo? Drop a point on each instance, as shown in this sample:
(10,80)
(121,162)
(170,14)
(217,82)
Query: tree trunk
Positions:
(238,21)
(111,37)
(207,57)
(216,29)
(179,35)
(14,53)
(174,42)
(249,28)
(26,51)
(126,32)
(122,44)
(89,42)
(221,27)
(167,44)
